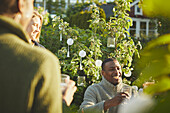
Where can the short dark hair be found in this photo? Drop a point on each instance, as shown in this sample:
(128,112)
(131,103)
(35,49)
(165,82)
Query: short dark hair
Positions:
(8,6)
(107,60)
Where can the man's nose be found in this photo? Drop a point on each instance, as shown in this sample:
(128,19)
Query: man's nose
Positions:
(118,72)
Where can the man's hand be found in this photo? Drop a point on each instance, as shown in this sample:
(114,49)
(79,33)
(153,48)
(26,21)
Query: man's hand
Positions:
(115,100)
(69,92)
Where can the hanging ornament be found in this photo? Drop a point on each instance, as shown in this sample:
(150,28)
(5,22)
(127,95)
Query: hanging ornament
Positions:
(97,75)
(61,36)
(98,63)
(70,41)
(81,67)
(128,74)
(60,28)
(82,53)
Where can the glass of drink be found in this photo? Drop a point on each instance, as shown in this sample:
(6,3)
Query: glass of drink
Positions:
(127,90)
(64,81)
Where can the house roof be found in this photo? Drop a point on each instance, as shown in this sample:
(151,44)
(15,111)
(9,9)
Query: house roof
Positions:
(134,3)
(108,9)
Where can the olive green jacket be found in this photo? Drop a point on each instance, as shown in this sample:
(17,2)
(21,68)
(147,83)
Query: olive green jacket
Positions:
(29,76)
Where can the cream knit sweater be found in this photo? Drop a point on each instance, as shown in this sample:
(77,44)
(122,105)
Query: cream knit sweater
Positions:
(96,95)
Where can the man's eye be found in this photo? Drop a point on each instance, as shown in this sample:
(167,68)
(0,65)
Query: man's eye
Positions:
(112,70)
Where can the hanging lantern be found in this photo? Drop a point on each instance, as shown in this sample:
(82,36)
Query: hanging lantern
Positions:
(81,80)
(82,53)
(70,41)
(110,42)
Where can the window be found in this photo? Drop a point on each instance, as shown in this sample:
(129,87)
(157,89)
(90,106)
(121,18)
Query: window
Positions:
(143,29)
(138,11)
(133,29)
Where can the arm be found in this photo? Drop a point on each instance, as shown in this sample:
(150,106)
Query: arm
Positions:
(45,94)
(90,104)
(115,101)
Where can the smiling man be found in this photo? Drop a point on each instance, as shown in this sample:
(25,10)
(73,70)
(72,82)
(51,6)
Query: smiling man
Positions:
(106,96)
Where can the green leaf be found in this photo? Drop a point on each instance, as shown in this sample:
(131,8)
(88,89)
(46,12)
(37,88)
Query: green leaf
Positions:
(155,59)
(162,106)
(156,7)
(165,39)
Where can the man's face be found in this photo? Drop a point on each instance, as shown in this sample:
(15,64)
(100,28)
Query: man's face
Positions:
(112,72)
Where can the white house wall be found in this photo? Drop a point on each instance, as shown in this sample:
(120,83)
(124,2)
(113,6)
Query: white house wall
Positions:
(138,22)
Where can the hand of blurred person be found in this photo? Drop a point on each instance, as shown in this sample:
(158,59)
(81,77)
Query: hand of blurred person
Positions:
(146,84)
(69,92)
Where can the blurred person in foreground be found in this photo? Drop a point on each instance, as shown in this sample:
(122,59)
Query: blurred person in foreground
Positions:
(30,76)
(154,63)
(34,28)
(108,95)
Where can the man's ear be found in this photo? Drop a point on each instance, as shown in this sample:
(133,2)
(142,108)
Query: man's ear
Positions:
(21,6)
(102,72)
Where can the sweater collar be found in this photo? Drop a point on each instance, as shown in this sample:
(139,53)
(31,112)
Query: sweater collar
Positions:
(109,85)
(14,27)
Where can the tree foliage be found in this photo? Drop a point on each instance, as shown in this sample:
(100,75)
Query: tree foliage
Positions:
(93,41)
(79,14)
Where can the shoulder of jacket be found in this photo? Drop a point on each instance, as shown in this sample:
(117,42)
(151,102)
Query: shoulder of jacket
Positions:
(126,85)
(35,53)
(93,87)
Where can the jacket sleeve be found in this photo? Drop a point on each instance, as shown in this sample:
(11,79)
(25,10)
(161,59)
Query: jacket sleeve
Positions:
(90,103)
(46,91)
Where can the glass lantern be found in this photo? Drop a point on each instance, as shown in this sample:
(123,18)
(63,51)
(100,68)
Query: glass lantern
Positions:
(111,42)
